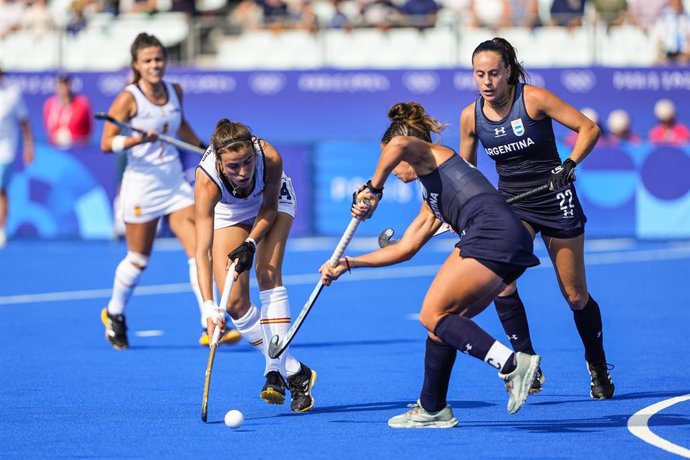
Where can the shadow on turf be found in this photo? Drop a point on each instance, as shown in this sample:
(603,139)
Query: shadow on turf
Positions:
(350,343)
(381,406)
(616,397)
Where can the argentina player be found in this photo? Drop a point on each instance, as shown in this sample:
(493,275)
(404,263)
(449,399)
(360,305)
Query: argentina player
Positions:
(494,250)
(513,122)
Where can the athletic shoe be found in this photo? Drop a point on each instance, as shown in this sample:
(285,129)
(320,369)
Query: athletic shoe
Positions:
(418,417)
(229,337)
(115,330)
(519,382)
(3,238)
(300,386)
(273,391)
(601,387)
(537,383)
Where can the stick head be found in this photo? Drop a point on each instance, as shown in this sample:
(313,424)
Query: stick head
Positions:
(385,237)
(274,347)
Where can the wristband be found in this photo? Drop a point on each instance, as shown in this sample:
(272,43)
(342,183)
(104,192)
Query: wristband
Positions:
(374,190)
(347,262)
(251,240)
(209,308)
(118,143)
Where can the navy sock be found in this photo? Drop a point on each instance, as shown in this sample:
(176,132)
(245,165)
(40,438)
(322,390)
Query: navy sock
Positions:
(465,335)
(438,364)
(511,312)
(588,322)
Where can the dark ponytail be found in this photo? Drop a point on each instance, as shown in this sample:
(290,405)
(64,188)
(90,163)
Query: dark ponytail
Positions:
(508,54)
(410,119)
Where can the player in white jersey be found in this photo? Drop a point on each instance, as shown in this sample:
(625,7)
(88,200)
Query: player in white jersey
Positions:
(153,185)
(13,115)
(245,204)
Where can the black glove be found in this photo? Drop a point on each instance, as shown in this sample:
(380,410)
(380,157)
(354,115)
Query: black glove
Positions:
(244,253)
(562,175)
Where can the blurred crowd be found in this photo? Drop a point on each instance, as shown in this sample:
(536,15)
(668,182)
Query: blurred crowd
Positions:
(665,21)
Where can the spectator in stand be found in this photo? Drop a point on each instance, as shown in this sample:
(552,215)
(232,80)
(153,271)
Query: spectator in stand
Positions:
(620,130)
(137,6)
(302,16)
(492,14)
(644,13)
(567,13)
(13,118)
(525,13)
(672,31)
(76,20)
(421,14)
(248,15)
(611,12)
(37,18)
(275,13)
(11,12)
(382,14)
(340,19)
(669,130)
(67,116)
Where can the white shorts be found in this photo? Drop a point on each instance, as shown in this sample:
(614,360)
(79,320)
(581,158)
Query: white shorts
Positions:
(226,215)
(145,197)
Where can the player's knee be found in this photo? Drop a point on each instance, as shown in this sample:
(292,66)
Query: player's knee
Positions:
(237,308)
(577,299)
(266,276)
(138,260)
(429,319)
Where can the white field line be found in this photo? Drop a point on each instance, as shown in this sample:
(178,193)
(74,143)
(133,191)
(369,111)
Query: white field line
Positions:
(647,255)
(638,425)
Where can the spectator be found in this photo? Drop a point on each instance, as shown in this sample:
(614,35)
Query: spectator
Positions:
(76,21)
(644,13)
(669,130)
(567,13)
(672,31)
(620,130)
(525,13)
(493,14)
(248,14)
(611,12)
(421,13)
(275,13)
(11,13)
(340,19)
(67,116)
(303,17)
(382,14)
(37,18)
(13,117)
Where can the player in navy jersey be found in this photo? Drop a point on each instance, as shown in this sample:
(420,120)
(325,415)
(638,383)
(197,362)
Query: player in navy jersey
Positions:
(513,122)
(245,204)
(494,249)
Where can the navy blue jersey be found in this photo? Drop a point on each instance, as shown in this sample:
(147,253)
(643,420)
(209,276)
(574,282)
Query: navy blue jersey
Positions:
(461,196)
(524,149)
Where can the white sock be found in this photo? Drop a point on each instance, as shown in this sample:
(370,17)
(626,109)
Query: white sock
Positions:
(194,282)
(275,320)
(498,355)
(126,279)
(249,326)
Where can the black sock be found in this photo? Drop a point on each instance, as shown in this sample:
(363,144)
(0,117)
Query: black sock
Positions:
(588,322)
(438,364)
(511,312)
(464,335)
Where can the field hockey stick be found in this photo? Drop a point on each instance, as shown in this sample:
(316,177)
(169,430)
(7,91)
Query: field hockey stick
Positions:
(385,237)
(229,280)
(278,345)
(162,137)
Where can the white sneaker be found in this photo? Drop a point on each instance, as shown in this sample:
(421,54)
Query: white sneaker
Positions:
(418,417)
(519,381)
(3,238)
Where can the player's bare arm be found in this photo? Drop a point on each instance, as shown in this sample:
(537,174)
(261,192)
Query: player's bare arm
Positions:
(468,138)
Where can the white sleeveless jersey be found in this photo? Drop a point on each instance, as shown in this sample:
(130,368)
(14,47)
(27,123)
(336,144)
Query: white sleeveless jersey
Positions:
(231,210)
(164,119)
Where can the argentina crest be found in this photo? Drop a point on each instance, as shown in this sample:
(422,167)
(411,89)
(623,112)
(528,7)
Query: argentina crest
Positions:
(518,127)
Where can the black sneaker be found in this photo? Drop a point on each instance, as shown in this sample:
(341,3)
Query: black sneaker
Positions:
(300,388)
(537,383)
(115,330)
(601,387)
(273,391)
